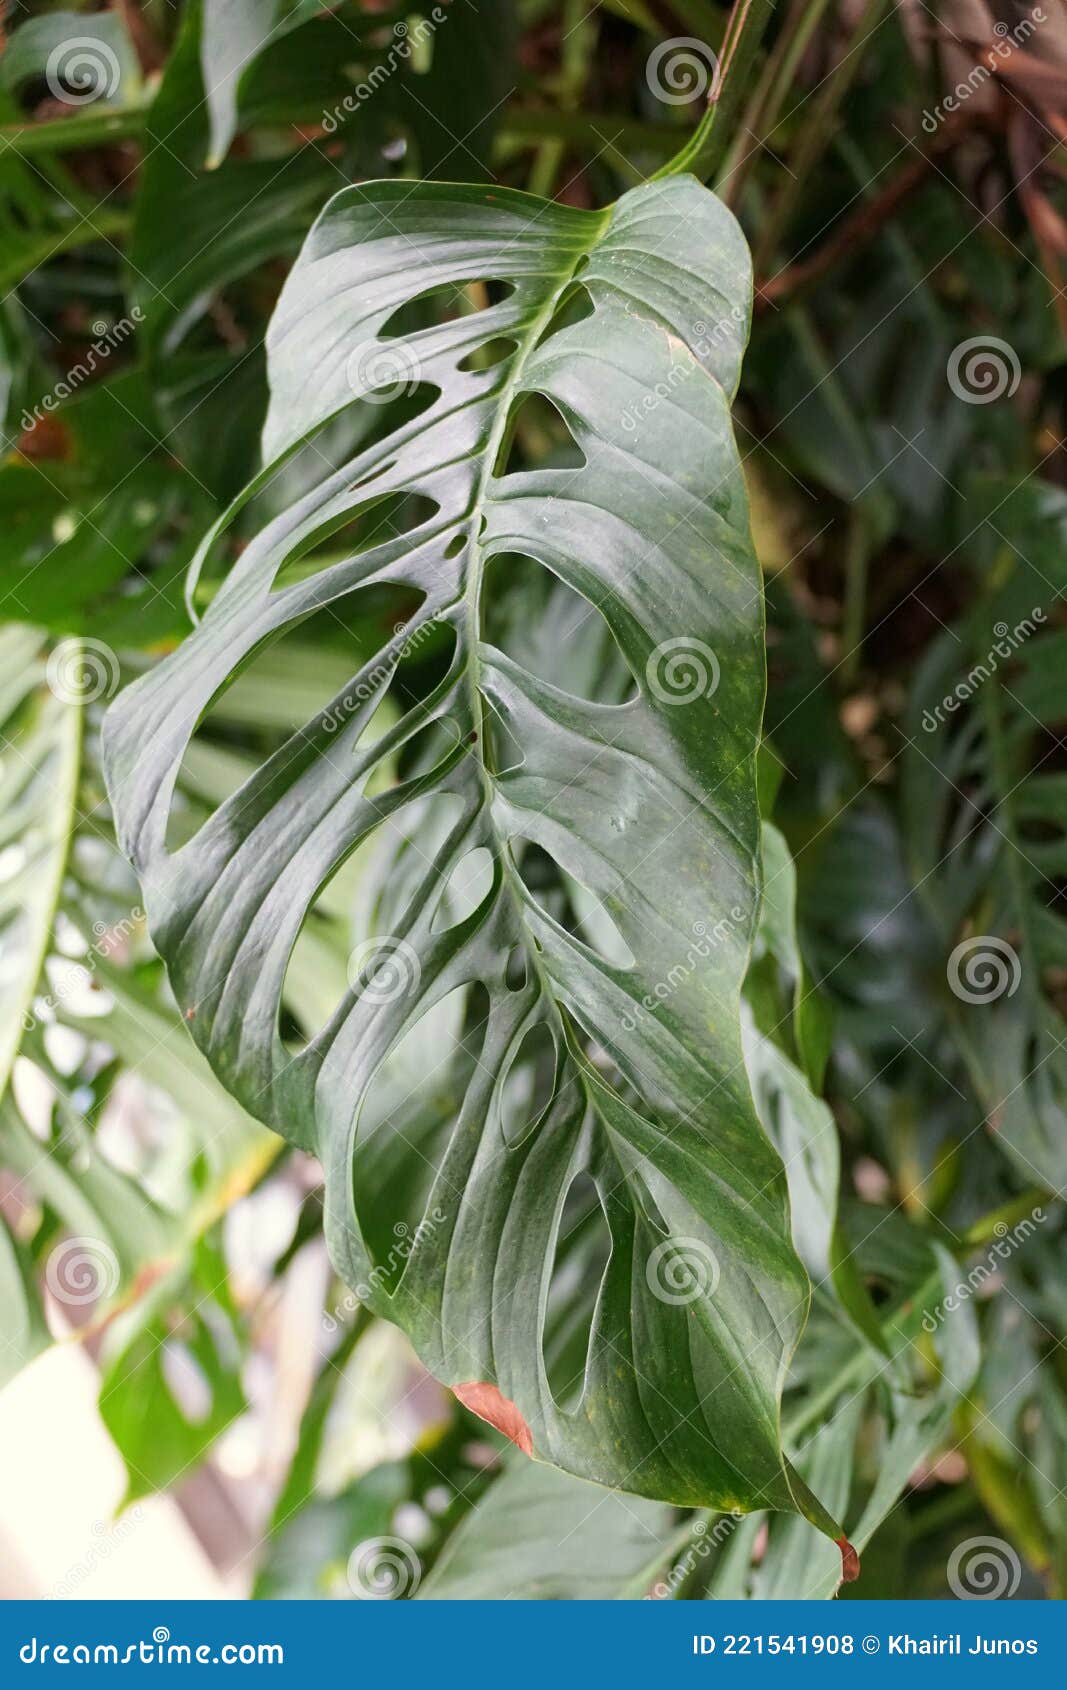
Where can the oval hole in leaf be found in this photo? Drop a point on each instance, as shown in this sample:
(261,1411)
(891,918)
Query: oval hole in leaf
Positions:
(283,686)
(570,903)
(488,355)
(406,1119)
(367,896)
(580,1261)
(350,533)
(538,434)
(529,1085)
(575,306)
(467,887)
(445,303)
(554,632)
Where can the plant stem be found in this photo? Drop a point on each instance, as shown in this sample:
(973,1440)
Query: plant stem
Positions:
(49,245)
(817,136)
(762,111)
(740,46)
(67,134)
(705,146)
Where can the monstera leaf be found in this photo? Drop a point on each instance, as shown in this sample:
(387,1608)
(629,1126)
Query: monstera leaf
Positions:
(568,890)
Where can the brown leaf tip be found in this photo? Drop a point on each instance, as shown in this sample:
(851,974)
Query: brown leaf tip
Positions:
(488,1404)
(850,1561)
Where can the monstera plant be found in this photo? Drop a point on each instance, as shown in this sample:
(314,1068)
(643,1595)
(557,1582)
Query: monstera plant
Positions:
(574,1069)
(400,821)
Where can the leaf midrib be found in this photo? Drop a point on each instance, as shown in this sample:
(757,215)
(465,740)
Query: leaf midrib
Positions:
(472,596)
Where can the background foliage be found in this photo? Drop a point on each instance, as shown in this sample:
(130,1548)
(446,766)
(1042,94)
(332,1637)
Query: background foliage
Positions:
(897,170)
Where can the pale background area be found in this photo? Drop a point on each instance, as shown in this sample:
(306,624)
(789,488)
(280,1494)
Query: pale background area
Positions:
(61,1533)
(58,1534)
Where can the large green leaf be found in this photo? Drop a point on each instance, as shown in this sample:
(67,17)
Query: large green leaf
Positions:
(644,815)
(542,1536)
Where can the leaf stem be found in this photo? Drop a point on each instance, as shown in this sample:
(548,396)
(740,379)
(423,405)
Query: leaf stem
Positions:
(764,107)
(816,136)
(705,146)
(65,134)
